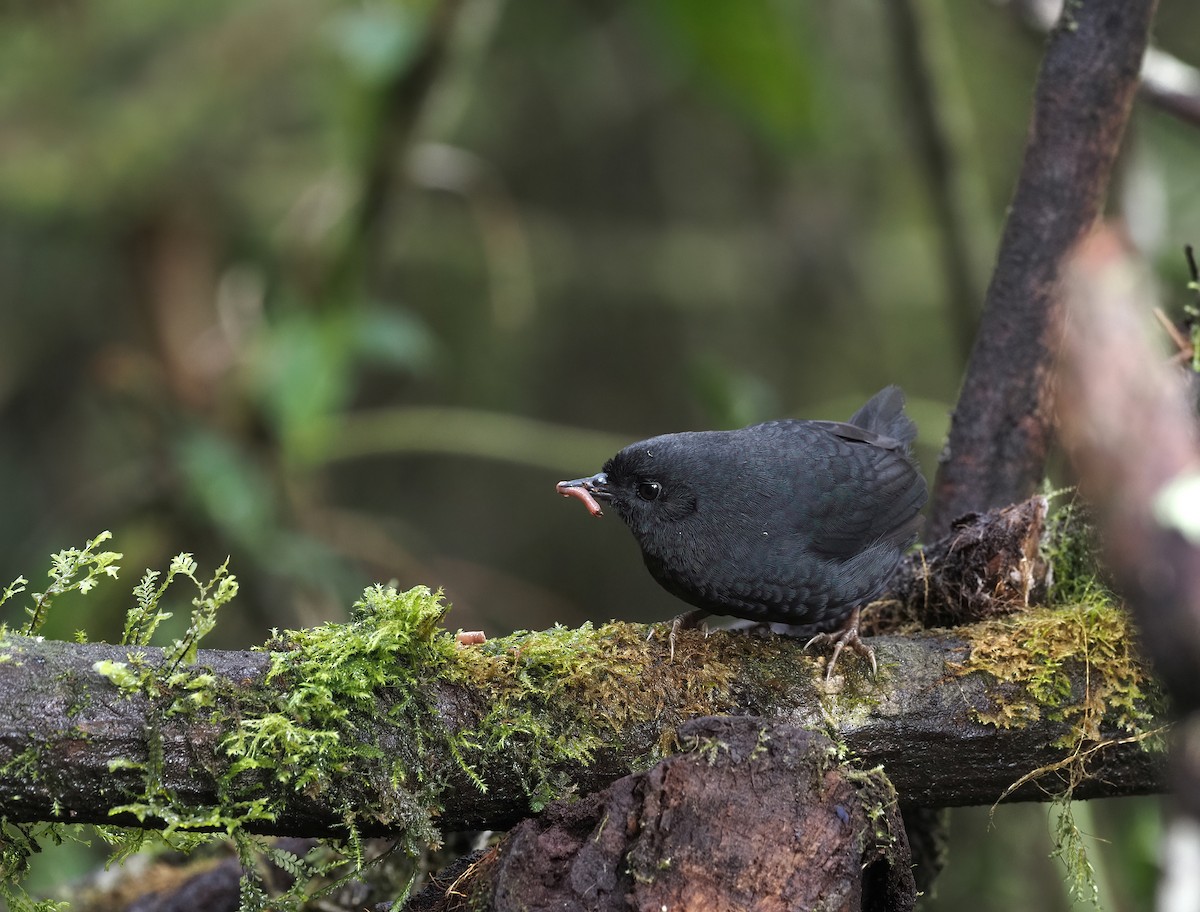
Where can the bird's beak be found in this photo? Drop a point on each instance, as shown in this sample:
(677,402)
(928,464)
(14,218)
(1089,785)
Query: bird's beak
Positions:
(587,490)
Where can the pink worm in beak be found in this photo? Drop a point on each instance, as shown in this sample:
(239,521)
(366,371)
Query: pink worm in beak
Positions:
(578,490)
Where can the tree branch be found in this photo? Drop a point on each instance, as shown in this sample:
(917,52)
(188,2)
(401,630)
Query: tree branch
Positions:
(1001,429)
(955,718)
(1168,83)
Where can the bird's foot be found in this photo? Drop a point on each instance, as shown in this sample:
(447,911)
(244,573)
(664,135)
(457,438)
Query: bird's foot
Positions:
(686,621)
(846,636)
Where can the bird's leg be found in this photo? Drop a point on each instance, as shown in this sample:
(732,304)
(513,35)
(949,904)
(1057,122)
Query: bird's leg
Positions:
(846,636)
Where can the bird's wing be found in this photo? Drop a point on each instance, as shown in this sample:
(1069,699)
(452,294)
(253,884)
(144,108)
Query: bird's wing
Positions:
(847,431)
(853,487)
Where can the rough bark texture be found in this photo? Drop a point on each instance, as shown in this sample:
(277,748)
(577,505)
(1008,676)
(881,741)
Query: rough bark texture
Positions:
(679,836)
(1168,83)
(1002,425)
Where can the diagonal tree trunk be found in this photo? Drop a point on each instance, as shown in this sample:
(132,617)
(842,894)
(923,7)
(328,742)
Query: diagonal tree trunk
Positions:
(1002,425)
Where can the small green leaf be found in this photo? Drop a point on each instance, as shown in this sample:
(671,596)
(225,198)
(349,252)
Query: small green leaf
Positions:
(118,674)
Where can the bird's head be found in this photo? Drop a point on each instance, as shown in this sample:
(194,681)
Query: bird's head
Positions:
(647,484)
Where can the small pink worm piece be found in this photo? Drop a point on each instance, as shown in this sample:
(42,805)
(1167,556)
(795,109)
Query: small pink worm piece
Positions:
(471,637)
(570,489)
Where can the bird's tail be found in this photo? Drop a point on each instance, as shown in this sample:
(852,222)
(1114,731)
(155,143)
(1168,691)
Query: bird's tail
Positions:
(883,414)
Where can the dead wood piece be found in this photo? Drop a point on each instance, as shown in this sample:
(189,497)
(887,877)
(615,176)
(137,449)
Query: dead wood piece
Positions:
(988,565)
(679,836)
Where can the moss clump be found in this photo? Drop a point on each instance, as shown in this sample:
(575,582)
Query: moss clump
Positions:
(561,695)
(328,716)
(1072,554)
(1034,652)
(323,717)
(332,673)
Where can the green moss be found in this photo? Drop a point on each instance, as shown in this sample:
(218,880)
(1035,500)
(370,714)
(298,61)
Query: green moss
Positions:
(544,702)
(554,699)
(1038,653)
(321,715)
(326,715)
(1072,555)
(879,801)
(1042,655)
(561,695)
(1035,652)
(339,693)
(71,570)
(24,765)
(18,843)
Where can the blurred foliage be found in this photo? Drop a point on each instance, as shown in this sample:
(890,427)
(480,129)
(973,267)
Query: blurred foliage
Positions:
(340,289)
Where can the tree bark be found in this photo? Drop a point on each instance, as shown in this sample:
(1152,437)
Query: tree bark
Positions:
(1168,83)
(1002,425)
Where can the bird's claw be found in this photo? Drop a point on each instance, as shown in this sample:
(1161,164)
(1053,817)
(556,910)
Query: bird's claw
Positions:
(688,619)
(847,636)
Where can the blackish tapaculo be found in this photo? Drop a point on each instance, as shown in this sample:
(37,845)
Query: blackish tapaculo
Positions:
(800,522)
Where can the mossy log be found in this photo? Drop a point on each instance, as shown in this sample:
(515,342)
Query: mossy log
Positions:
(955,717)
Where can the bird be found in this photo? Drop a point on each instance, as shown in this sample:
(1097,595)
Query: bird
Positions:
(795,521)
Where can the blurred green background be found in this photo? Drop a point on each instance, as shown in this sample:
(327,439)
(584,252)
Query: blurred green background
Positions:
(340,289)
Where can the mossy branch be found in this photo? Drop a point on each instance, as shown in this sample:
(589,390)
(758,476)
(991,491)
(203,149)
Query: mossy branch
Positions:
(386,724)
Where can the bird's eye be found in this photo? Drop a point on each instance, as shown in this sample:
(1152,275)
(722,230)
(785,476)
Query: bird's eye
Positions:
(649,490)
